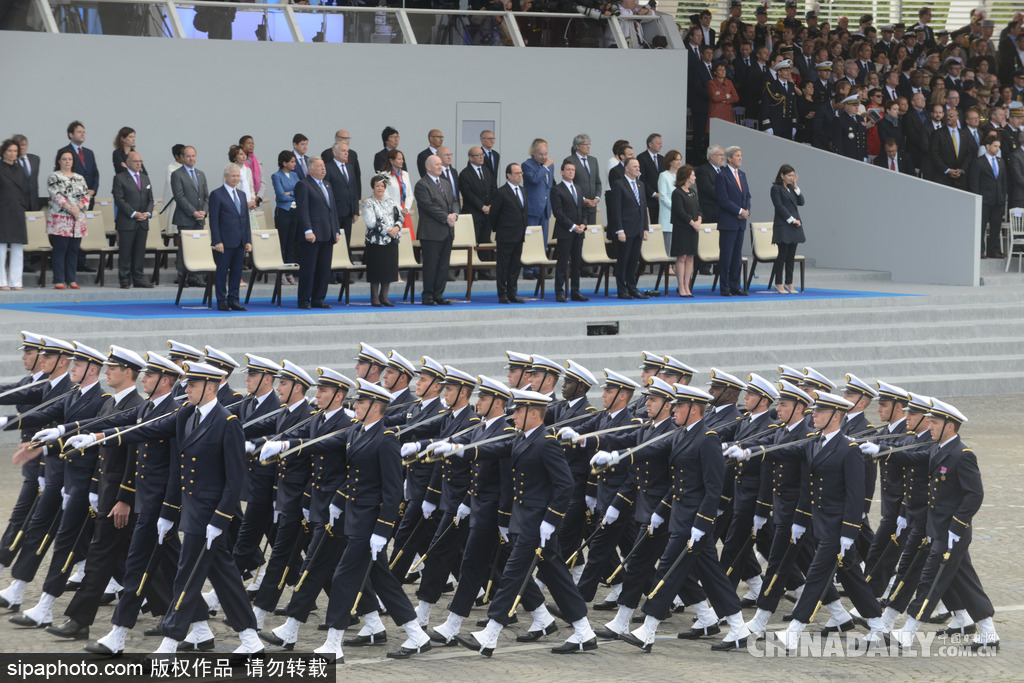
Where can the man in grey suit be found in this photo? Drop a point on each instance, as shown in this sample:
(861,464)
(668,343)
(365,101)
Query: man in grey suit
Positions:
(30,164)
(191,201)
(133,197)
(436,230)
(588,176)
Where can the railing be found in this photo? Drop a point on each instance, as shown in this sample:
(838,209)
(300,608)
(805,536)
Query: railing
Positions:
(201,19)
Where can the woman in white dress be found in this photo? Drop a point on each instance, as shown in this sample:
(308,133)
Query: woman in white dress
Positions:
(238,156)
(399,189)
(666,186)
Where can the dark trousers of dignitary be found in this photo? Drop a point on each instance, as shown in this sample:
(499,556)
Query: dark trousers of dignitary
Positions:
(509,256)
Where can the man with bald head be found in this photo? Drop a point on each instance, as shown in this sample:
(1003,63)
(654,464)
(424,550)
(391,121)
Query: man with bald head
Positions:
(133,197)
(343,180)
(353,158)
(438,210)
(435,139)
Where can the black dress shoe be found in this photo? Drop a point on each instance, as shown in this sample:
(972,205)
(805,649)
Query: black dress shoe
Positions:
(441,301)
(560,298)
(517,299)
(201,646)
(951,631)
(22,620)
(639,618)
(70,629)
(637,294)
(860,621)
(155,631)
(125,285)
(428,302)
(606,606)
(472,643)
(569,648)
(378,638)
(514,619)
(320,304)
(227,307)
(101,649)
(978,645)
(725,293)
(406,652)
(269,638)
(576,296)
(695,633)
(323,627)
(73,585)
(387,304)
(624,295)
(304,304)
(678,609)
(748,602)
(531,636)
(635,642)
(847,625)
(503,300)
(728,645)
(787,617)
(12,607)
(108,598)
(235,306)
(940,618)
(606,633)
(144,284)
(741,292)
(438,639)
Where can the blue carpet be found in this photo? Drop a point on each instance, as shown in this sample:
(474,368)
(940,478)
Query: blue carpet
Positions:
(164,308)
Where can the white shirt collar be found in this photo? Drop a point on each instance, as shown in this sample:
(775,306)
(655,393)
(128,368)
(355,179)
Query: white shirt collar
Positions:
(948,440)
(329,414)
(488,423)
(86,387)
(526,434)
(236,188)
(292,407)
(894,425)
(204,410)
(56,380)
(828,437)
(159,399)
(124,392)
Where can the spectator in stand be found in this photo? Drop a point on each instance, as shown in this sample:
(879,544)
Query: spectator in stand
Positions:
(285,215)
(722,96)
(889,126)
(65,222)
(255,167)
(806,108)
(987,177)
(124,144)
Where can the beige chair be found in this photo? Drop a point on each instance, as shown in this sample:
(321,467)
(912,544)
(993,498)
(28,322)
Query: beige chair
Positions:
(652,252)
(766,252)
(266,258)
(535,256)
(595,254)
(340,262)
(1015,239)
(197,259)
(156,244)
(463,246)
(96,242)
(105,206)
(359,234)
(407,262)
(707,252)
(38,241)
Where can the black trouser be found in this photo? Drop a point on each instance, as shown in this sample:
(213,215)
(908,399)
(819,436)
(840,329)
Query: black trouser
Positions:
(314,270)
(259,516)
(551,570)
(787,252)
(106,551)
(786,576)
(730,261)
(157,590)
(603,558)
(64,258)
(328,549)
(42,523)
(19,514)
(638,575)
(72,536)
(229,273)
(436,254)
(443,558)
(508,257)
(702,560)
(908,575)
(570,531)
(291,539)
(407,542)
(570,256)
(286,222)
(131,253)
(879,546)
(627,261)
(216,565)
(819,579)
(958,578)
(740,527)
(348,582)
(992,216)
(481,555)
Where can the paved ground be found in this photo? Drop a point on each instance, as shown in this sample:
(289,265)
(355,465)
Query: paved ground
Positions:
(998,552)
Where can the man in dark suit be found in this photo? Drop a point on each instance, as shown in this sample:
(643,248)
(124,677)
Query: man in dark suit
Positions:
(627,219)
(477,185)
(85,160)
(300,145)
(344,184)
(389,136)
(231,237)
(191,200)
(988,178)
(492,159)
(317,204)
(697,99)
(343,136)
(435,139)
(652,163)
(570,229)
(587,177)
(133,197)
(733,194)
(508,218)
(30,163)
(951,152)
(894,159)
(707,174)
(438,212)
(450,175)
(916,132)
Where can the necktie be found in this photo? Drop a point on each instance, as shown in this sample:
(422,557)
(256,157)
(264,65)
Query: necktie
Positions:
(636,192)
(302,164)
(324,190)
(518,196)
(439,186)
(995,168)
(746,62)
(194,422)
(81,156)
(479,173)
(148,409)
(736,175)
(192,174)
(892,164)
(344,171)
(24,165)
(586,167)
(138,180)
(448,178)
(956,144)
(490,165)
(238,204)
(974,132)
(572,188)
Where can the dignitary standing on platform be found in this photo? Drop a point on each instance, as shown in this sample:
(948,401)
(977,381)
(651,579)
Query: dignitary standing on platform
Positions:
(231,237)
(508,220)
(733,193)
(627,219)
(569,209)
(318,226)
(787,229)
(133,198)
(438,211)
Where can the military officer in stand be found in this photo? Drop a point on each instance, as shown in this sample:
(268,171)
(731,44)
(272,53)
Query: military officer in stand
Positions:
(849,136)
(778,102)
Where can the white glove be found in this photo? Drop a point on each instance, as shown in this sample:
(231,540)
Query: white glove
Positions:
(718,512)
(759,522)
(769,131)
(162,527)
(271,448)
(42,484)
(868,448)
(741,454)
(305,514)
(928,540)
(458,450)
(377,543)
(567,433)
(428,508)
(901,524)
(333,513)
(797,531)
(276,513)
(410,448)
(94,501)
(732,451)
(600,459)
(503,530)
(212,533)
(3,422)
(610,515)
(250,447)
(442,448)
(65,497)
(461,513)
(656,521)
(845,543)
(350,413)
(591,502)
(546,529)
(695,535)
(81,440)
(51,434)
(953,538)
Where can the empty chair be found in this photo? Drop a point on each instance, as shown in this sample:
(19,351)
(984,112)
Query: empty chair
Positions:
(197,259)
(341,263)
(1015,239)
(156,245)
(266,258)
(96,242)
(38,242)
(595,254)
(407,262)
(652,252)
(535,256)
(463,246)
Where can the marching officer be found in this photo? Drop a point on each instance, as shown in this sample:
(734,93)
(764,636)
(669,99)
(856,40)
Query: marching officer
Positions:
(723,417)
(544,374)
(396,378)
(860,394)
(676,372)
(370,363)
(180,352)
(650,365)
(227,396)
